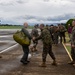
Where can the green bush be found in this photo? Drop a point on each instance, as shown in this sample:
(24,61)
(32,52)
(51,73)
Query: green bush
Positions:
(69,22)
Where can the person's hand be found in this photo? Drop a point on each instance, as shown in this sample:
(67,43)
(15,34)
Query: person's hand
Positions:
(33,38)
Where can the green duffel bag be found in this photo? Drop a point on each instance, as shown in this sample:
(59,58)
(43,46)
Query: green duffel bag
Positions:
(21,38)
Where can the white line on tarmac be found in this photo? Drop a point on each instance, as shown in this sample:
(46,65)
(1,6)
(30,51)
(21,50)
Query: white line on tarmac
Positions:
(67,52)
(7,41)
(9,48)
(6,36)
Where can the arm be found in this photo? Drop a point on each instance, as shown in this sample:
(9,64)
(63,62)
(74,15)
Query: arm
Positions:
(37,38)
(26,33)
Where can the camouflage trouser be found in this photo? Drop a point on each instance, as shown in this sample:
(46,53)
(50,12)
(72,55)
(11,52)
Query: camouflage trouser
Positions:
(35,42)
(56,37)
(73,53)
(62,36)
(47,50)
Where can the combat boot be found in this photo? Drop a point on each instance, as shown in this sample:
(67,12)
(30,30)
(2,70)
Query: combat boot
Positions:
(43,64)
(54,63)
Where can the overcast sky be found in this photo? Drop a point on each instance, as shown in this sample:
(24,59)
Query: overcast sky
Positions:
(36,11)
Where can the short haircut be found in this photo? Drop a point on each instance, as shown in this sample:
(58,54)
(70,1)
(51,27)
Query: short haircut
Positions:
(42,25)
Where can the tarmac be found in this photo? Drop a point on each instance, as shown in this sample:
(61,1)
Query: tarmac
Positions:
(10,62)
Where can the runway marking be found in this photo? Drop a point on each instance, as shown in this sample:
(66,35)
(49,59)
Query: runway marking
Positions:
(7,41)
(6,36)
(9,48)
(67,52)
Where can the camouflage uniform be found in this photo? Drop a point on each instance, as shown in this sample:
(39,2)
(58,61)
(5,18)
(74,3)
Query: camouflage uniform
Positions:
(51,29)
(55,34)
(34,33)
(62,31)
(73,43)
(47,44)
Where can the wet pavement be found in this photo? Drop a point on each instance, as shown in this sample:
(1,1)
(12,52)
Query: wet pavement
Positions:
(10,62)
(6,41)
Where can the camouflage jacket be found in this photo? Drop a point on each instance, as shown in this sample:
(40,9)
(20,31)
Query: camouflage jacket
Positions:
(73,36)
(34,32)
(45,36)
(63,29)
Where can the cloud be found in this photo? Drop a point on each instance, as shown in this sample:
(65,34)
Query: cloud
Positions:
(71,0)
(19,11)
(19,20)
(61,17)
(22,1)
(6,3)
(12,2)
(46,0)
(37,19)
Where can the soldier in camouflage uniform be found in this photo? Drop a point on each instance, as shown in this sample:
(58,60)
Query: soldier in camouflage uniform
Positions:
(73,43)
(34,33)
(55,34)
(47,45)
(51,29)
(62,31)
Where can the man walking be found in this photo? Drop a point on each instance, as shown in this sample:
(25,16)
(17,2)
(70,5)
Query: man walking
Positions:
(25,48)
(47,45)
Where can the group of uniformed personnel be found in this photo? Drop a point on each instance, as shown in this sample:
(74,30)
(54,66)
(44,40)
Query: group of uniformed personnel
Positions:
(49,35)
(58,32)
